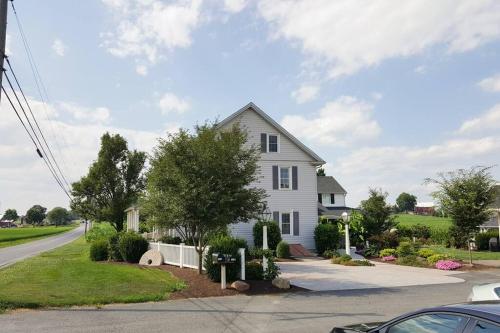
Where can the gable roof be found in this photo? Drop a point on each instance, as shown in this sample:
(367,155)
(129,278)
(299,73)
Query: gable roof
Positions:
(252,106)
(328,184)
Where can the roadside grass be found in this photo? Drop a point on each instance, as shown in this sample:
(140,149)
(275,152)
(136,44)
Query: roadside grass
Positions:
(434,222)
(16,236)
(66,276)
(464,254)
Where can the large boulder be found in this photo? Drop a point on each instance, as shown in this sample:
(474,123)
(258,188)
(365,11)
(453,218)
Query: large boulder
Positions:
(151,258)
(240,285)
(281,283)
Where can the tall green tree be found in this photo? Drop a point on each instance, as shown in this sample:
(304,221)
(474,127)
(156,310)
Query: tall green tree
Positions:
(35,215)
(465,195)
(199,183)
(113,183)
(10,214)
(376,214)
(320,172)
(406,202)
(58,216)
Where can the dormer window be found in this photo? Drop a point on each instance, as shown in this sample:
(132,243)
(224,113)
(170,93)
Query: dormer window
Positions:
(269,143)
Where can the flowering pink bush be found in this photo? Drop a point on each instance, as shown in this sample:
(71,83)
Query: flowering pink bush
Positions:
(389,258)
(448,265)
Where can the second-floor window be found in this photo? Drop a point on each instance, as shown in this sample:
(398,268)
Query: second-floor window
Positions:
(284,178)
(273,143)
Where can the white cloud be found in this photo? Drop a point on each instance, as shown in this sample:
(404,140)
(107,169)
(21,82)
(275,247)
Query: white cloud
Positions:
(141,70)
(59,47)
(377,96)
(349,35)
(234,6)
(491,84)
(147,29)
(489,120)
(100,115)
(171,103)
(341,122)
(24,178)
(420,69)
(305,93)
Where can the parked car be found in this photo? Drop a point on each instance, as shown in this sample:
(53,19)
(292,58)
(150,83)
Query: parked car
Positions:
(474,317)
(485,292)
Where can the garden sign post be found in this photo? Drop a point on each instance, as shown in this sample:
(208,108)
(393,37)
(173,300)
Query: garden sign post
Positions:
(264,246)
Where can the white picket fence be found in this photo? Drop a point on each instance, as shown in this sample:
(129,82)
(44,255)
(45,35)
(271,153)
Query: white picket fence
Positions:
(186,256)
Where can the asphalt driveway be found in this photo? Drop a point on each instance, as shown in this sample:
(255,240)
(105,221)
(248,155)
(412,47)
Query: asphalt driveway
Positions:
(12,254)
(321,275)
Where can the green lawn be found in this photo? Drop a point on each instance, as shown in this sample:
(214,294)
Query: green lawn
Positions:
(464,254)
(15,236)
(432,221)
(66,276)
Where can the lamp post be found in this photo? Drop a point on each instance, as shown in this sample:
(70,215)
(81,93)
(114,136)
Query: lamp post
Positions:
(346,218)
(266,216)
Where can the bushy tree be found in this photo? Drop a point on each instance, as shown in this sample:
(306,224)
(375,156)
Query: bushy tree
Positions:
(320,172)
(376,214)
(58,216)
(465,196)
(113,183)
(199,183)
(406,202)
(35,215)
(10,214)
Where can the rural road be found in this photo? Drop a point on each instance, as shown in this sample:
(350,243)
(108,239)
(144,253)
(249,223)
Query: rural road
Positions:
(12,254)
(297,312)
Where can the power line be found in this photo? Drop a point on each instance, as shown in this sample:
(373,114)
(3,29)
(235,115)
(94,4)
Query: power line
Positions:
(38,83)
(48,162)
(36,122)
(33,140)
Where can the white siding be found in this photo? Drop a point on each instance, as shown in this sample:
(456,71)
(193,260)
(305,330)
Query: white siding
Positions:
(303,200)
(339,200)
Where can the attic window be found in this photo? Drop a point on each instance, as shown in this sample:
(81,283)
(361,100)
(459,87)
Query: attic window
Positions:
(273,143)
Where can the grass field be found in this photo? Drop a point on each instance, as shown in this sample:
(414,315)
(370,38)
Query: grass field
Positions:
(431,221)
(464,254)
(66,276)
(15,236)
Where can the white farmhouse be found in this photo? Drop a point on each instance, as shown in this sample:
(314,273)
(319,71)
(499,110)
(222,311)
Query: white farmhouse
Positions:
(287,173)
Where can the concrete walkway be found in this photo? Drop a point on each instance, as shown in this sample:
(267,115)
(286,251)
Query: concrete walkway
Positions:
(321,275)
(12,254)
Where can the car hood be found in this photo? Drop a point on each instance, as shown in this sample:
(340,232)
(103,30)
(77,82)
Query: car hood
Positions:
(357,327)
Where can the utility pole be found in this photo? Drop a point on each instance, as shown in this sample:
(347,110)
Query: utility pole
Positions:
(3,35)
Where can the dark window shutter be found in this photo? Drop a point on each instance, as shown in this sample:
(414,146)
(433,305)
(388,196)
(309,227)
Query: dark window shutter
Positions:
(295,180)
(296,224)
(276,217)
(320,198)
(275,177)
(332,198)
(263,142)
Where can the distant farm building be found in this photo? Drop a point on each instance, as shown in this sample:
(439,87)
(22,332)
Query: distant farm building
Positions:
(425,208)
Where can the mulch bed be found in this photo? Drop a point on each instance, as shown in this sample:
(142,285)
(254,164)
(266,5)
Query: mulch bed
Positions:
(201,286)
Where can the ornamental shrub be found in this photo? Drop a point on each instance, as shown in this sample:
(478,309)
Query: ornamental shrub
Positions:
(483,239)
(387,252)
(101,230)
(405,249)
(385,240)
(326,237)
(225,245)
(114,248)
(254,271)
(99,250)
(283,250)
(328,254)
(425,253)
(341,260)
(273,234)
(371,251)
(403,230)
(432,260)
(420,231)
(409,260)
(440,236)
(448,265)
(132,246)
(171,240)
(273,270)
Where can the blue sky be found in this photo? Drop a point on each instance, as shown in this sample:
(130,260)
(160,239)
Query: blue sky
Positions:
(387,95)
